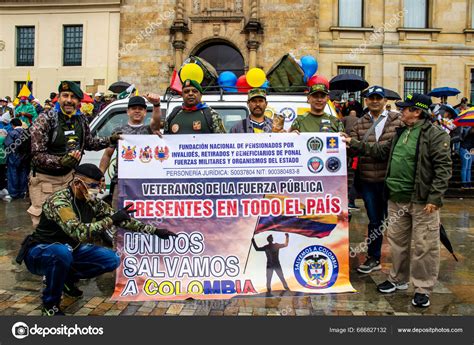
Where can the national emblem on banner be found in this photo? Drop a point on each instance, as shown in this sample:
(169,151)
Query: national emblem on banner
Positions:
(162,153)
(129,153)
(316,267)
(146,154)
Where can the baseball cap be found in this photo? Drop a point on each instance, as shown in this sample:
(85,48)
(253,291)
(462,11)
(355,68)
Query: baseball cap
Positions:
(375,90)
(257,93)
(137,101)
(318,88)
(416,100)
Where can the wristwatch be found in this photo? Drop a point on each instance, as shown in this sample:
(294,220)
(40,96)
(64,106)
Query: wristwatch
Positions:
(156,105)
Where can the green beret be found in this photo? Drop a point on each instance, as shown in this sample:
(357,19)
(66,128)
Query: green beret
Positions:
(257,93)
(193,83)
(71,86)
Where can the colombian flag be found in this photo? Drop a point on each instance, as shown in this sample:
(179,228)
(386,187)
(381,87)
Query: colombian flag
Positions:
(307,225)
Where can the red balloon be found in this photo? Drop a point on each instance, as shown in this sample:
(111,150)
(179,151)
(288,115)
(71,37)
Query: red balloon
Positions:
(242,85)
(317,79)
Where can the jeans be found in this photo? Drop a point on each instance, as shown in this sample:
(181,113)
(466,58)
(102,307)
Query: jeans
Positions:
(17,176)
(376,206)
(466,166)
(60,264)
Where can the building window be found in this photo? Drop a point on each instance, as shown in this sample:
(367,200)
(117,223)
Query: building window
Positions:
(472,86)
(350,13)
(19,85)
(360,71)
(72,55)
(417,80)
(416,13)
(25,45)
(223,57)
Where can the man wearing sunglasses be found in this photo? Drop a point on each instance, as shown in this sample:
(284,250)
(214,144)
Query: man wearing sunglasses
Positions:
(58,247)
(377,126)
(419,168)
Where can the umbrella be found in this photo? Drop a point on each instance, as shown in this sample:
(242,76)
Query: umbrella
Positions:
(348,82)
(445,240)
(444,92)
(466,118)
(119,86)
(389,94)
(336,95)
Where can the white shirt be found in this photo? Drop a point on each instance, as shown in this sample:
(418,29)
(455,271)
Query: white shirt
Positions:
(380,126)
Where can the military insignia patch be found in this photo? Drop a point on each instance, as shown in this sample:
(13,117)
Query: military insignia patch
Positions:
(196,125)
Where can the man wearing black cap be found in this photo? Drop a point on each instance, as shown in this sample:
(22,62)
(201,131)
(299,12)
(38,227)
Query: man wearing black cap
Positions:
(316,120)
(377,126)
(71,217)
(194,117)
(256,121)
(59,138)
(136,111)
(417,177)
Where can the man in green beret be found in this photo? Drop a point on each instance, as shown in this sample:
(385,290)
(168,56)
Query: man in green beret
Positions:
(256,121)
(316,120)
(194,117)
(59,138)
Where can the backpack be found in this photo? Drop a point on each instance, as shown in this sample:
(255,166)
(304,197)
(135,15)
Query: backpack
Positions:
(207,115)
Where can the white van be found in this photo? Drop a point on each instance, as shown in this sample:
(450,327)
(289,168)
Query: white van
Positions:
(231,107)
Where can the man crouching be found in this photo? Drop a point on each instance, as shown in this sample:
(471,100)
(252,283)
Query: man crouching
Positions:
(71,217)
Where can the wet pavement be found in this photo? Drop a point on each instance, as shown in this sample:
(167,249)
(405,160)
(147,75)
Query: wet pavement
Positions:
(453,294)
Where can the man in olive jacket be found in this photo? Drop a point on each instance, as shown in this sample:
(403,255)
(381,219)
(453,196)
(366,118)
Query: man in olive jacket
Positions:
(417,178)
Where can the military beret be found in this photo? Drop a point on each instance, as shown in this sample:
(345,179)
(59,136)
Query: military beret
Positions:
(193,83)
(71,86)
(89,170)
(318,88)
(257,93)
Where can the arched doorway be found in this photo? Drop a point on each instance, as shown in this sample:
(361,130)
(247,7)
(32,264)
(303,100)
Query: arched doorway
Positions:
(223,56)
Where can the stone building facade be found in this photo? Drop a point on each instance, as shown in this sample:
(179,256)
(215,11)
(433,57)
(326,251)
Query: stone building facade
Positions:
(384,47)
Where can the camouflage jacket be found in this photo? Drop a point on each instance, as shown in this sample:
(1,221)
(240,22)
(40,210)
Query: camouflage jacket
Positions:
(42,131)
(61,223)
(217,125)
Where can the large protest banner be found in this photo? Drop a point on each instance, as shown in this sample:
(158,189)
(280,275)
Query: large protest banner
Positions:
(220,191)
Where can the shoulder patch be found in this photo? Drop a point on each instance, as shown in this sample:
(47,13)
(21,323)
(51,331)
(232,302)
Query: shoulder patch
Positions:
(66,214)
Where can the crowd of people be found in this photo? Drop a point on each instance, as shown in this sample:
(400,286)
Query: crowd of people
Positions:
(402,167)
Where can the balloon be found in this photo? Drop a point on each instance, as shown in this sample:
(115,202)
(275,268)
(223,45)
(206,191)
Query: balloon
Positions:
(191,71)
(265,85)
(242,85)
(317,79)
(256,77)
(309,65)
(226,80)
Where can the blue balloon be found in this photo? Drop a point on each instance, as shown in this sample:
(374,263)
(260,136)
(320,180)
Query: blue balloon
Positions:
(226,80)
(265,85)
(309,66)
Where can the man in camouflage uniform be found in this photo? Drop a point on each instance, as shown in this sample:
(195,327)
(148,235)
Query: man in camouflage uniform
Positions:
(316,120)
(194,117)
(58,140)
(71,217)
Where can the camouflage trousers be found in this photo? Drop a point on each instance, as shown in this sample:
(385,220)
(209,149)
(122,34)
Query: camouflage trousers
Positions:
(41,187)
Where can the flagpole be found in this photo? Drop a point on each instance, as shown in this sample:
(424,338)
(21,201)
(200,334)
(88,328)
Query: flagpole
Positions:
(250,247)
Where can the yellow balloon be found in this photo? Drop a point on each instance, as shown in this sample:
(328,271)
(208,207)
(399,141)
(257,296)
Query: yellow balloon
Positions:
(256,77)
(192,71)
